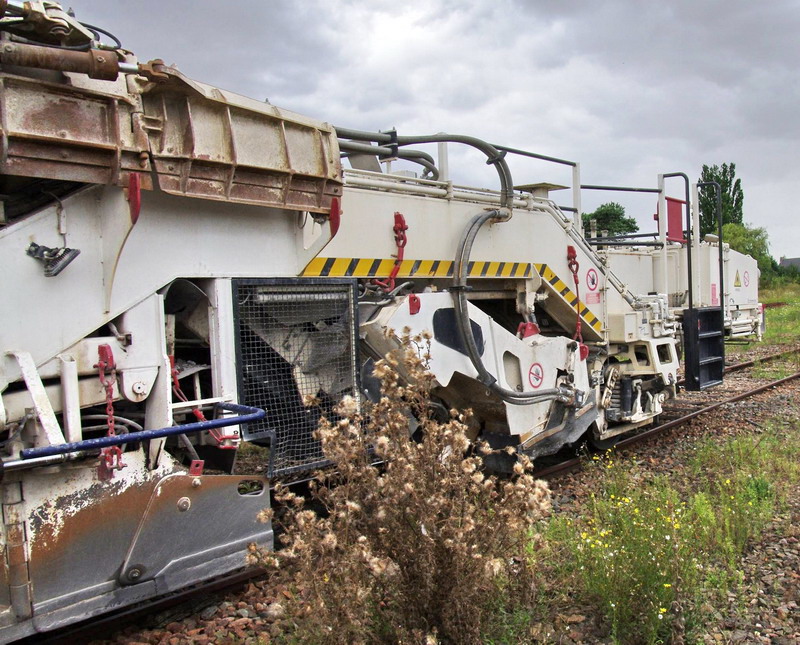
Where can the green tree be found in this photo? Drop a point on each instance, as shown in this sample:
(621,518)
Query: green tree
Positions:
(753,242)
(732,197)
(611,217)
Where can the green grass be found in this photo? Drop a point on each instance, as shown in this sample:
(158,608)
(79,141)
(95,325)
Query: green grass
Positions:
(783,323)
(648,555)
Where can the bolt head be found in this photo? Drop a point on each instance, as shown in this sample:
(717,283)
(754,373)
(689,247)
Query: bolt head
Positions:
(184,504)
(134,574)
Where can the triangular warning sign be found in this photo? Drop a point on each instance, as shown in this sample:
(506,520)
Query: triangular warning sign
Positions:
(737,282)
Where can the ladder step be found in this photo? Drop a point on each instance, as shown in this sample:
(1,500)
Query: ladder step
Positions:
(709,334)
(710,360)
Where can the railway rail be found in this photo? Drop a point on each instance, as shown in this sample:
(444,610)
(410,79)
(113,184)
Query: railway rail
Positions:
(185,603)
(699,408)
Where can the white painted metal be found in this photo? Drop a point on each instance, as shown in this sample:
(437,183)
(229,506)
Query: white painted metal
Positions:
(223,345)
(246,241)
(576,196)
(549,354)
(539,236)
(52,434)
(642,267)
(70,393)
(443,160)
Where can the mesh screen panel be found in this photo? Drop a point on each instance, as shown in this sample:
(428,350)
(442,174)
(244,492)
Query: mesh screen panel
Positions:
(296,351)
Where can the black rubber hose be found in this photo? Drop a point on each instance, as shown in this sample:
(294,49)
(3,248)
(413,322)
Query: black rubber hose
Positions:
(464,328)
(416,156)
(494,156)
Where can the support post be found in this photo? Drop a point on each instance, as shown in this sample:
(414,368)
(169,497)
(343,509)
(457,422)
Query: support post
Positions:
(662,286)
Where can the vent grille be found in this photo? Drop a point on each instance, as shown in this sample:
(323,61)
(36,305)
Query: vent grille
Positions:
(296,359)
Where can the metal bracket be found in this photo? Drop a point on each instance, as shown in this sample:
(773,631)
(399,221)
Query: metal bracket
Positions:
(42,405)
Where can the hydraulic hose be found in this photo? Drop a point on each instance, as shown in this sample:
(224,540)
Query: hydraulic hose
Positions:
(464,328)
(416,156)
(494,156)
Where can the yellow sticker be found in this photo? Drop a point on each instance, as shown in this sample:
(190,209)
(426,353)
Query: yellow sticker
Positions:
(737,282)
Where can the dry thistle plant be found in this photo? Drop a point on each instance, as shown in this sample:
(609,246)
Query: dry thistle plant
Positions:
(420,549)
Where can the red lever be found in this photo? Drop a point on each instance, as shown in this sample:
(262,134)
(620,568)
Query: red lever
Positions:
(134,195)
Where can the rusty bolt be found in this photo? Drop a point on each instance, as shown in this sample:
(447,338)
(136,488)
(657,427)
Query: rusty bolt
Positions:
(196,483)
(101,59)
(134,574)
(62,134)
(184,504)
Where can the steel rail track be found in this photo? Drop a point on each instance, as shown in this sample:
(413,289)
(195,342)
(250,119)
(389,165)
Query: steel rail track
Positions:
(763,359)
(570,465)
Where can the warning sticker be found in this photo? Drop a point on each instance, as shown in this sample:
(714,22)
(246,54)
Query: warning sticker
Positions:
(737,281)
(746,278)
(593,298)
(591,279)
(536,375)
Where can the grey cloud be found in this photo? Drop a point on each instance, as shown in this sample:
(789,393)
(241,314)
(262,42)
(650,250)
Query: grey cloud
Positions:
(627,88)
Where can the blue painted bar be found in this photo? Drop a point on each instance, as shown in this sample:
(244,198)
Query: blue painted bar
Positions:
(245,412)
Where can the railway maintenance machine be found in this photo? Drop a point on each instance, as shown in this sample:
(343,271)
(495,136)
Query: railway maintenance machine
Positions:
(184,269)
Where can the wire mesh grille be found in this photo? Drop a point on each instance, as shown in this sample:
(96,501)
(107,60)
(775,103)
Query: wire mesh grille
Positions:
(296,360)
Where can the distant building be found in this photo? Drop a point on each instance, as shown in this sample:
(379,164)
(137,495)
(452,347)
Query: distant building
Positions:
(790,262)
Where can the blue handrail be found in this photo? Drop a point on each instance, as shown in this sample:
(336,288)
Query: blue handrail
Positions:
(246,415)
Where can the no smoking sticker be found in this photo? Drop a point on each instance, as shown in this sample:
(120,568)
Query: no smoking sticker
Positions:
(536,375)
(591,279)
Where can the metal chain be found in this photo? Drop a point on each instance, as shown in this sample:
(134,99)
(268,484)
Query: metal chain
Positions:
(108,384)
(110,457)
(572,264)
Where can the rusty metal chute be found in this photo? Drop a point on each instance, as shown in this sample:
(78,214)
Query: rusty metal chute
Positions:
(195,140)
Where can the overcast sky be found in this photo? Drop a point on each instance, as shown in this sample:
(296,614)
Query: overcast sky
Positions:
(629,89)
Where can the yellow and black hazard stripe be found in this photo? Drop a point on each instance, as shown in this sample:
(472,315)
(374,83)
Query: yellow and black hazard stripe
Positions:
(378,268)
(549,276)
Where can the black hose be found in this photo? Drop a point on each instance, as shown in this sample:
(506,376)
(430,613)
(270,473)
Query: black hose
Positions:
(464,327)
(415,156)
(97,31)
(494,156)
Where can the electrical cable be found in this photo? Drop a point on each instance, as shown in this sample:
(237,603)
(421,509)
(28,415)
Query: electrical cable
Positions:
(98,30)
